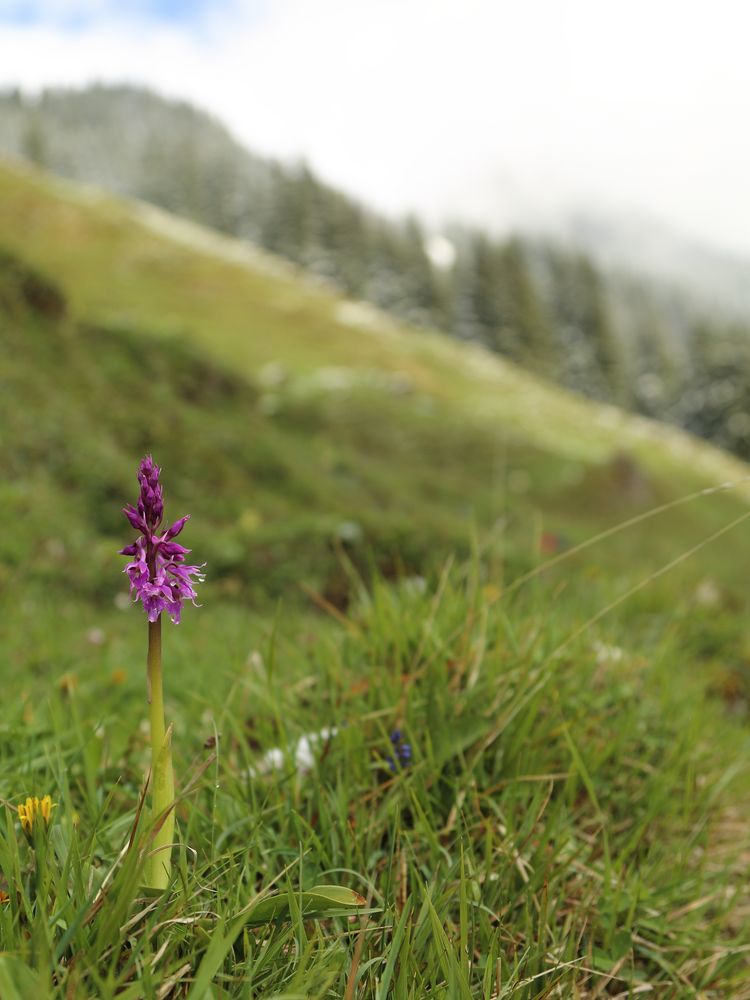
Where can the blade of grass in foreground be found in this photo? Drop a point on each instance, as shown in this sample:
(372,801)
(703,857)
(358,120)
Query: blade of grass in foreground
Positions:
(320,901)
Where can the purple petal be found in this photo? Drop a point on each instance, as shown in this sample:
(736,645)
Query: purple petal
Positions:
(172,551)
(134,517)
(176,528)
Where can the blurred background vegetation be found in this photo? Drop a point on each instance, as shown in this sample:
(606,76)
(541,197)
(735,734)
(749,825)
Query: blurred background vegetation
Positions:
(646,345)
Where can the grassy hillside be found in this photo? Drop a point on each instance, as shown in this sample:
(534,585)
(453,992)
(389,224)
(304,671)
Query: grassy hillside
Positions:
(132,265)
(576,814)
(327,407)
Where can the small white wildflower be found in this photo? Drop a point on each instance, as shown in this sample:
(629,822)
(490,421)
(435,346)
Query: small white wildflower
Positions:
(301,753)
(606,654)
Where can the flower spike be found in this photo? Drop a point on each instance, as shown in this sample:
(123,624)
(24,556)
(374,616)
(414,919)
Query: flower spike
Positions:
(157,574)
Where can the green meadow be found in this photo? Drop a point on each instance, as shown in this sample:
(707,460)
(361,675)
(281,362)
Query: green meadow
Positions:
(546,596)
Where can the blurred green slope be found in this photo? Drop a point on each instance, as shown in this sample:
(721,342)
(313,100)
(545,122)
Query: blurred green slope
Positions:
(297,427)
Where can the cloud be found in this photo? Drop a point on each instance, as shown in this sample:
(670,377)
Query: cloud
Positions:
(446,107)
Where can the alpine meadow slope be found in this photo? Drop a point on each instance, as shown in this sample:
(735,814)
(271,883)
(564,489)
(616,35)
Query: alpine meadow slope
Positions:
(654,348)
(573,819)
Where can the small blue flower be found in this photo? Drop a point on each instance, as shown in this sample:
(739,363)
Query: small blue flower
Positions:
(401,751)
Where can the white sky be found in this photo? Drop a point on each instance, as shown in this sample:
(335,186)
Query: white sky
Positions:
(498,109)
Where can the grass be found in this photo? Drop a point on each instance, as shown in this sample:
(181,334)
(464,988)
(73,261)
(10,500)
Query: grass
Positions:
(568,825)
(575,819)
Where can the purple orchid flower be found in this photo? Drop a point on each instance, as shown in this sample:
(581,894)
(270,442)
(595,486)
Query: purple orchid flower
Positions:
(158,574)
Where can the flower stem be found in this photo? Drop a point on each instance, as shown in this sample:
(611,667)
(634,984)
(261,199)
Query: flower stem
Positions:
(162,774)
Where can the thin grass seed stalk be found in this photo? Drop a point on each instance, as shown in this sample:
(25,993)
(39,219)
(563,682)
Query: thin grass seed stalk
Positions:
(161,581)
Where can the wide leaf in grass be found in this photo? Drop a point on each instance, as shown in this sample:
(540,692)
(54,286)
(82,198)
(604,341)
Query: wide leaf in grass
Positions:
(321,900)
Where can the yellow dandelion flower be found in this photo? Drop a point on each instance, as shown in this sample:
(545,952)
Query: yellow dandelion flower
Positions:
(46,808)
(32,808)
(119,676)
